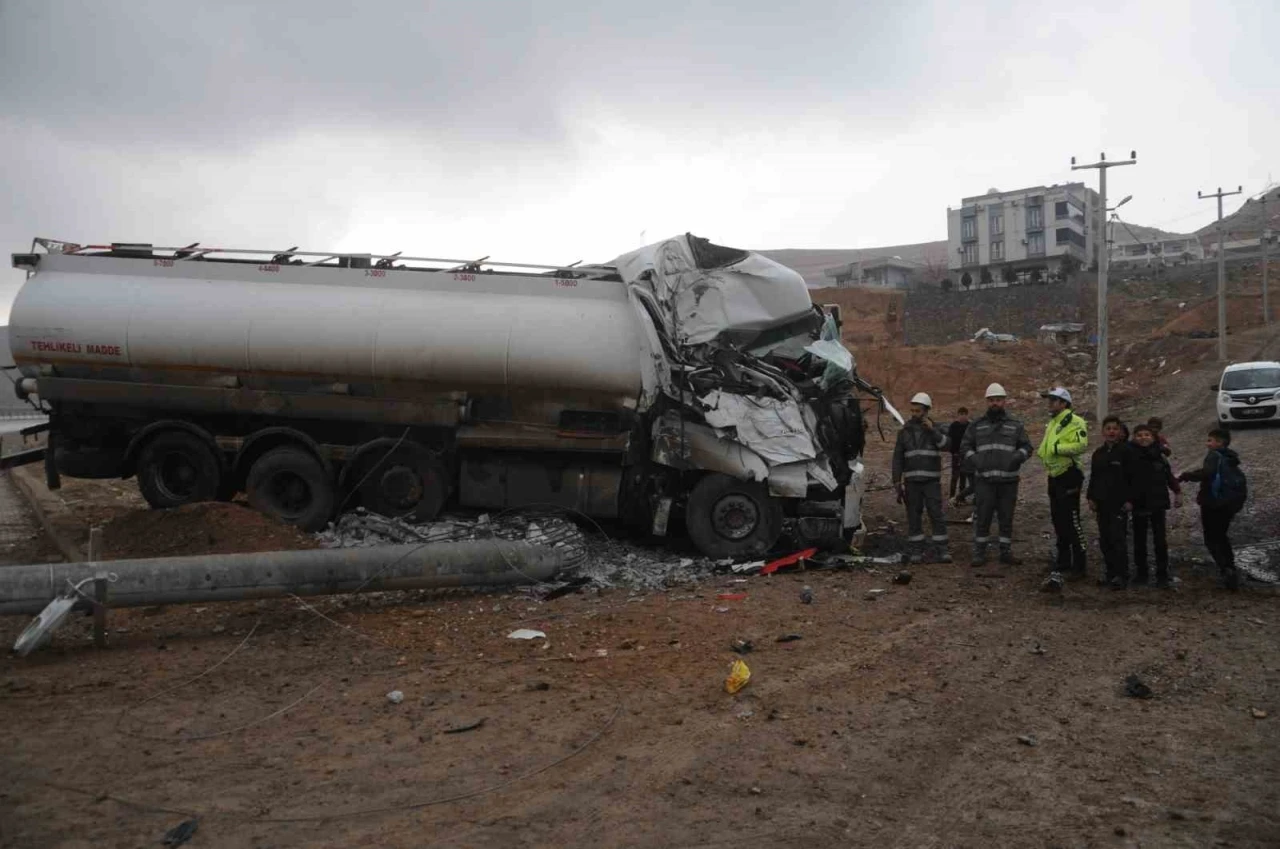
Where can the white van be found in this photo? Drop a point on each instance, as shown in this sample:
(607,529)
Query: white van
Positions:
(1249,392)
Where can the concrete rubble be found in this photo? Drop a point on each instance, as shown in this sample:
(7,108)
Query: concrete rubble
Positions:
(606,562)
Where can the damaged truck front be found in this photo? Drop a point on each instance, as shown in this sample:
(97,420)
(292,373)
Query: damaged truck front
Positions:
(755,422)
(682,383)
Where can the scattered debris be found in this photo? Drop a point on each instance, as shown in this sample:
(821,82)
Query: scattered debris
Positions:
(470,726)
(538,687)
(526,634)
(756,791)
(789,560)
(602,652)
(568,588)
(1028,740)
(806,595)
(1054,583)
(1037,649)
(732,596)
(742,568)
(872,595)
(628,644)
(789,638)
(739,675)
(181,833)
(903,577)
(985,335)
(395,697)
(1134,688)
(1258,713)
(741,646)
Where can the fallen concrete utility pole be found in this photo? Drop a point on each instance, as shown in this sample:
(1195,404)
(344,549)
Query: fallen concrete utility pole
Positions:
(271,574)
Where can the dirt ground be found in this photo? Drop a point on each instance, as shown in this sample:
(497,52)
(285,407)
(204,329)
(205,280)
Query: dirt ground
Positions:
(964,709)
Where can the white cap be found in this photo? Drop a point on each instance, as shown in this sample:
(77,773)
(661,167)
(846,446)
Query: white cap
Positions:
(922,398)
(995,390)
(1057,392)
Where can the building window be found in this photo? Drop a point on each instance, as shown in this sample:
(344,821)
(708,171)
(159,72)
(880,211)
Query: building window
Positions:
(1060,209)
(969,229)
(970,255)
(997,251)
(1035,217)
(1067,236)
(1035,244)
(996,225)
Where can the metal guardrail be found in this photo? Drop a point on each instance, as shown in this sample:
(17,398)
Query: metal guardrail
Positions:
(21,415)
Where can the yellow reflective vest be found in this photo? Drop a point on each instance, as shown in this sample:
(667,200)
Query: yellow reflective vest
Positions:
(1065,439)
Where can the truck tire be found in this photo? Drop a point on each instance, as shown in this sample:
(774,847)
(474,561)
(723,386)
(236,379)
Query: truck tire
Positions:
(727,517)
(291,485)
(176,468)
(406,481)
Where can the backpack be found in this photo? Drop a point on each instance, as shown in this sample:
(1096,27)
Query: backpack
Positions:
(1229,488)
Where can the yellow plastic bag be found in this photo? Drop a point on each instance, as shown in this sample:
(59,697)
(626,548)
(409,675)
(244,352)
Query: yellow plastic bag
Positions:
(739,675)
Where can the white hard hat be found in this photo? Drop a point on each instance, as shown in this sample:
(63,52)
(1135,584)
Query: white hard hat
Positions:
(995,390)
(923,399)
(1058,392)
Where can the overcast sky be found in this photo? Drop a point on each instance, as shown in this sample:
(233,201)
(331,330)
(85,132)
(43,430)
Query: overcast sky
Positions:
(557,131)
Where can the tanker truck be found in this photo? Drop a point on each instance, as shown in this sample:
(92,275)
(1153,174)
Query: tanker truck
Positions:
(683,385)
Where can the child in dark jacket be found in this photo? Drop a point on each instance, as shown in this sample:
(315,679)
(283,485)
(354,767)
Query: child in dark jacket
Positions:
(1152,481)
(1111,500)
(1217,509)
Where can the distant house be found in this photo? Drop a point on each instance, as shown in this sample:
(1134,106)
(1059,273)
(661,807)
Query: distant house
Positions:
(889,272)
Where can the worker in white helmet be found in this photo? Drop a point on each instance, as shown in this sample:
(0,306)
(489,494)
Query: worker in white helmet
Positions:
(1066,438)
(995,446)
(917,476)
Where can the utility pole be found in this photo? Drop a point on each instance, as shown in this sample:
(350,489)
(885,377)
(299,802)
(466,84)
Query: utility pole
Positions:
(1104,259)
(1222,270)
(1266,260)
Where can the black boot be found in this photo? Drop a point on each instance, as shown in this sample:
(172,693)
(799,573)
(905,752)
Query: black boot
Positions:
(1007,558)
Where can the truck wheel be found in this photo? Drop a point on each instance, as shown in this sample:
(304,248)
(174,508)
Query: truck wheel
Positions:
(727,517)
(291,485)
(409,482)
(176,468)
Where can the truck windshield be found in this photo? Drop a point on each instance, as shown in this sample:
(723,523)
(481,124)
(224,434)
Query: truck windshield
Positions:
(1254,378)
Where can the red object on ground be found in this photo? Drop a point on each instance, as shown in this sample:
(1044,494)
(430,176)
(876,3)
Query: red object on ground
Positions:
(731,596)
(789,560)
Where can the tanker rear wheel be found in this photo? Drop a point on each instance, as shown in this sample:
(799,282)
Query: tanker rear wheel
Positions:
(177,468)
(406,481)
(291,485)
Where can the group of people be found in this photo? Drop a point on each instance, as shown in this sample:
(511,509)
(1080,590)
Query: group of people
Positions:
(1131,484)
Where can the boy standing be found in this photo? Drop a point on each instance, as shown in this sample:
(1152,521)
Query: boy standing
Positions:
(1152,480)
(1110,499)
(917,476)
(1157,427)
(1222,494)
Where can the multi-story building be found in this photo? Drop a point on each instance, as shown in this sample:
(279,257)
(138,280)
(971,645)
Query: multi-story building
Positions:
(1026,230)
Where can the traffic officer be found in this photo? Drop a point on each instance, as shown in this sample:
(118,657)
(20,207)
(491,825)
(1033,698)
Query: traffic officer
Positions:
(995,446)
(917,476)
(1066,438)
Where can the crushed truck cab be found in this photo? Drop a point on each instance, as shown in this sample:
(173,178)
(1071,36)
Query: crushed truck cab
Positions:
(684,380)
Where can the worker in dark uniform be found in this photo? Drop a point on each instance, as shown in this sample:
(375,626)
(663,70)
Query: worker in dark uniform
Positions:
(1066,438)
(995,447)
(917,476)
